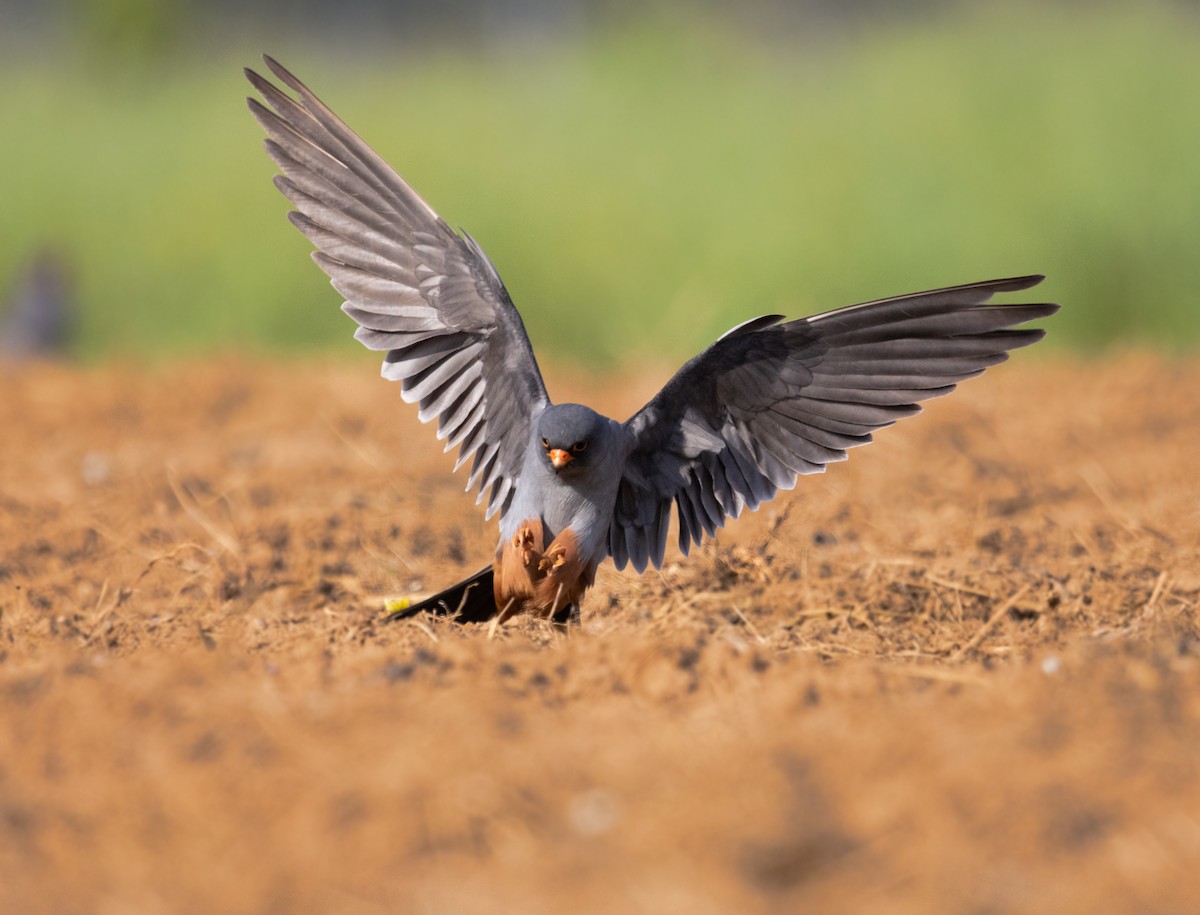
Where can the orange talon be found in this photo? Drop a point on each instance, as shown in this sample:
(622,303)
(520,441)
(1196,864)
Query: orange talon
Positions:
(553,559)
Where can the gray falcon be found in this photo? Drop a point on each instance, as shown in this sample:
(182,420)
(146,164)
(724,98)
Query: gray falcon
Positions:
(768,401)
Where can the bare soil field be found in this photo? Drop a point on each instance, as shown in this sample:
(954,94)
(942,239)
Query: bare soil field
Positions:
(958,673)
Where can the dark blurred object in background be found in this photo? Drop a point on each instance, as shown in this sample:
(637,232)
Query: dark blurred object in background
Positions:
(39,314)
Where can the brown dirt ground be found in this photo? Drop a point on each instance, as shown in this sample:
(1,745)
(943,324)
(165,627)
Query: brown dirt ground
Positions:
(958,673)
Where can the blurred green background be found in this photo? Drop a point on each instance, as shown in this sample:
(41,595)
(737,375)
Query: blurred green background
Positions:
(643,176)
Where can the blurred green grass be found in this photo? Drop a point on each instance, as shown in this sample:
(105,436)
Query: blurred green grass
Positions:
(645,187)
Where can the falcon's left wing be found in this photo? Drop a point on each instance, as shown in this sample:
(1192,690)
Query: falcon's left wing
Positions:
(770,401)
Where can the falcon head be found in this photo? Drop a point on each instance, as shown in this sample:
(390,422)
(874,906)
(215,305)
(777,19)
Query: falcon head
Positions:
(568,434)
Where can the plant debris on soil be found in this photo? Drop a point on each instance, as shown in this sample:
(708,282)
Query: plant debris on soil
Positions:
(957,673)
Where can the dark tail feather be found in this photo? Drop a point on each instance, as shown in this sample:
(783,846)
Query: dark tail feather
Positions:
(470,601)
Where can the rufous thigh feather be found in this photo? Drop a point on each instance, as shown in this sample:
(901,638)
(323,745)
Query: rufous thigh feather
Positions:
(566,576)
(517,567)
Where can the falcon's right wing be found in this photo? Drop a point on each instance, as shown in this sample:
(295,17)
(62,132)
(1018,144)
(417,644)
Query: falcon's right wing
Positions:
(418,290)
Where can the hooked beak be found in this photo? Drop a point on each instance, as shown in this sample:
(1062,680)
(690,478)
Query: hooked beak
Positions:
(560,458)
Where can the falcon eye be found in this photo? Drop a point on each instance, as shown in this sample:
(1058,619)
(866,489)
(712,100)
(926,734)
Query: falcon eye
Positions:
(546,444)
(580,445)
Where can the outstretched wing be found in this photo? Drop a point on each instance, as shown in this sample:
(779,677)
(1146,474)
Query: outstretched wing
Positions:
(770,401)
(417,289)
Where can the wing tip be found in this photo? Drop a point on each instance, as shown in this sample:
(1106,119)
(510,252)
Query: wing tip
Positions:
(280,71)
(260,83)
(1002,284)
(1016,283)
(302,222)
(1029,336)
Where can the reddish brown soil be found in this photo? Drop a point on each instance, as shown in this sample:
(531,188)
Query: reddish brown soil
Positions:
(958,673)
